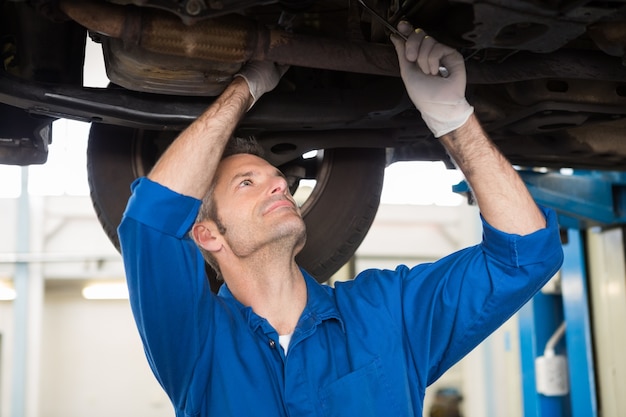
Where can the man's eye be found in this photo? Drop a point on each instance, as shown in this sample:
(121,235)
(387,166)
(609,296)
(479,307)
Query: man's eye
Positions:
(245,183)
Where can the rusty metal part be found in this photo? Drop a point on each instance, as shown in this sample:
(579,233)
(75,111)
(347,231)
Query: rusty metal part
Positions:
(227,38)
(103,18)
(136,69)
(338,55)
(610,37)
(231,38)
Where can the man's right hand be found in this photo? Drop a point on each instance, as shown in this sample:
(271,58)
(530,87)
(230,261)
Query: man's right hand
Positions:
(441,101)
(261,76)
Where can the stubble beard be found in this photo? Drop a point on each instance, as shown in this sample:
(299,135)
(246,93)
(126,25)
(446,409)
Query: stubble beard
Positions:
(287,237)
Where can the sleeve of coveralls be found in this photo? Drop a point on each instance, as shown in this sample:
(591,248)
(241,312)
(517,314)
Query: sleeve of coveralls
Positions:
(450,306)
(169,293)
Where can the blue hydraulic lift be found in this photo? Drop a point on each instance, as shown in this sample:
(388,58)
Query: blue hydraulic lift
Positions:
(582,199)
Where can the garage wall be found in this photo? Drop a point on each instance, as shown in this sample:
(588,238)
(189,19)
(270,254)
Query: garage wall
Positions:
(6,353)
(92,361)
(8,208)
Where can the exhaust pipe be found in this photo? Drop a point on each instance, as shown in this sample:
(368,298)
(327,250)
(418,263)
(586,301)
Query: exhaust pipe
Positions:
(232,38)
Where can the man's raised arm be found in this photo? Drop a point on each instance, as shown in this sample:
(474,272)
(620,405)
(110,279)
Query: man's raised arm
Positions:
(502,197)
(189,164)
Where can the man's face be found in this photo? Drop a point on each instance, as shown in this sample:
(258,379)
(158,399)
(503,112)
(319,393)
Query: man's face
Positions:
(255,206)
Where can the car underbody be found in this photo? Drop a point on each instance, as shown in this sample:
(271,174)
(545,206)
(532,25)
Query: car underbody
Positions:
(546,78)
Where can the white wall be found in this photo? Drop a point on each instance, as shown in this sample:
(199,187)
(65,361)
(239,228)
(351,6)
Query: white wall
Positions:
(606,265)
(6,354)
(92,361)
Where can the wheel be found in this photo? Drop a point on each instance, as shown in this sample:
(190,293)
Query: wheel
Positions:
(338,213)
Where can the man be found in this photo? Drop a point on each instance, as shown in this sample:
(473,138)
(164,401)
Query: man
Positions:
(273,342)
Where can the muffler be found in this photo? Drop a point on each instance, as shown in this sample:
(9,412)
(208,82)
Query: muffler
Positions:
(231,39)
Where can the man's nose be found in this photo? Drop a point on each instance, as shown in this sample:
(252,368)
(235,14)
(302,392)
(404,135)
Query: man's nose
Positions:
(279,185)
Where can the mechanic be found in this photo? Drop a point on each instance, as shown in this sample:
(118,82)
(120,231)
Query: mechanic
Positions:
(274,342)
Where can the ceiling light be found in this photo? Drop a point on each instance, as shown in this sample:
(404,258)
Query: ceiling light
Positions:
(7,293)
(106,291)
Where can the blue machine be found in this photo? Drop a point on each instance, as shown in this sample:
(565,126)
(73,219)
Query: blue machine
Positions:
(583,198)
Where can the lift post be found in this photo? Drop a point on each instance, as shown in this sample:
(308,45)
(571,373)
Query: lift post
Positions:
(574,287)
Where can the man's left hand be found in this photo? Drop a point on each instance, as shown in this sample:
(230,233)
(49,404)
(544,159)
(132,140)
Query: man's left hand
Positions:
(441,101)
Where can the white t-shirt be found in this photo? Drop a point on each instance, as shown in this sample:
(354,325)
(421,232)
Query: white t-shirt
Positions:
(283,340)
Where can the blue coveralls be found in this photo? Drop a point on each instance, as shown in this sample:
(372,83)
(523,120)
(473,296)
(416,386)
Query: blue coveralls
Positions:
(368,347)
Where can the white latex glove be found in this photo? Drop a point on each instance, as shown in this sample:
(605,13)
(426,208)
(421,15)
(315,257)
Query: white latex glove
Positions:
(441,101)
(261,76)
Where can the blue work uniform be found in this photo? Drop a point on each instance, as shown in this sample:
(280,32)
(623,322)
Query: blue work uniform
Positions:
(368,347)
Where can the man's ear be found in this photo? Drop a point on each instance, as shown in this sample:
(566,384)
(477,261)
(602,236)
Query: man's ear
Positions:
(207,236)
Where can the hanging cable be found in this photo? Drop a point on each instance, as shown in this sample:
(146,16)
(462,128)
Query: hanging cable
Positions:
(554,339)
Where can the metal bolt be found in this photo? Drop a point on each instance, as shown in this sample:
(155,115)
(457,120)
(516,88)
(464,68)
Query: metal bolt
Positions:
(194,7)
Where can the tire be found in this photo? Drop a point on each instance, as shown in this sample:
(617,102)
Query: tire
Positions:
(337,214)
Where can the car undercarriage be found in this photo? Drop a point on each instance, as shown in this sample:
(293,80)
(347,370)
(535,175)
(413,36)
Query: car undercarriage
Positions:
(546,78)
